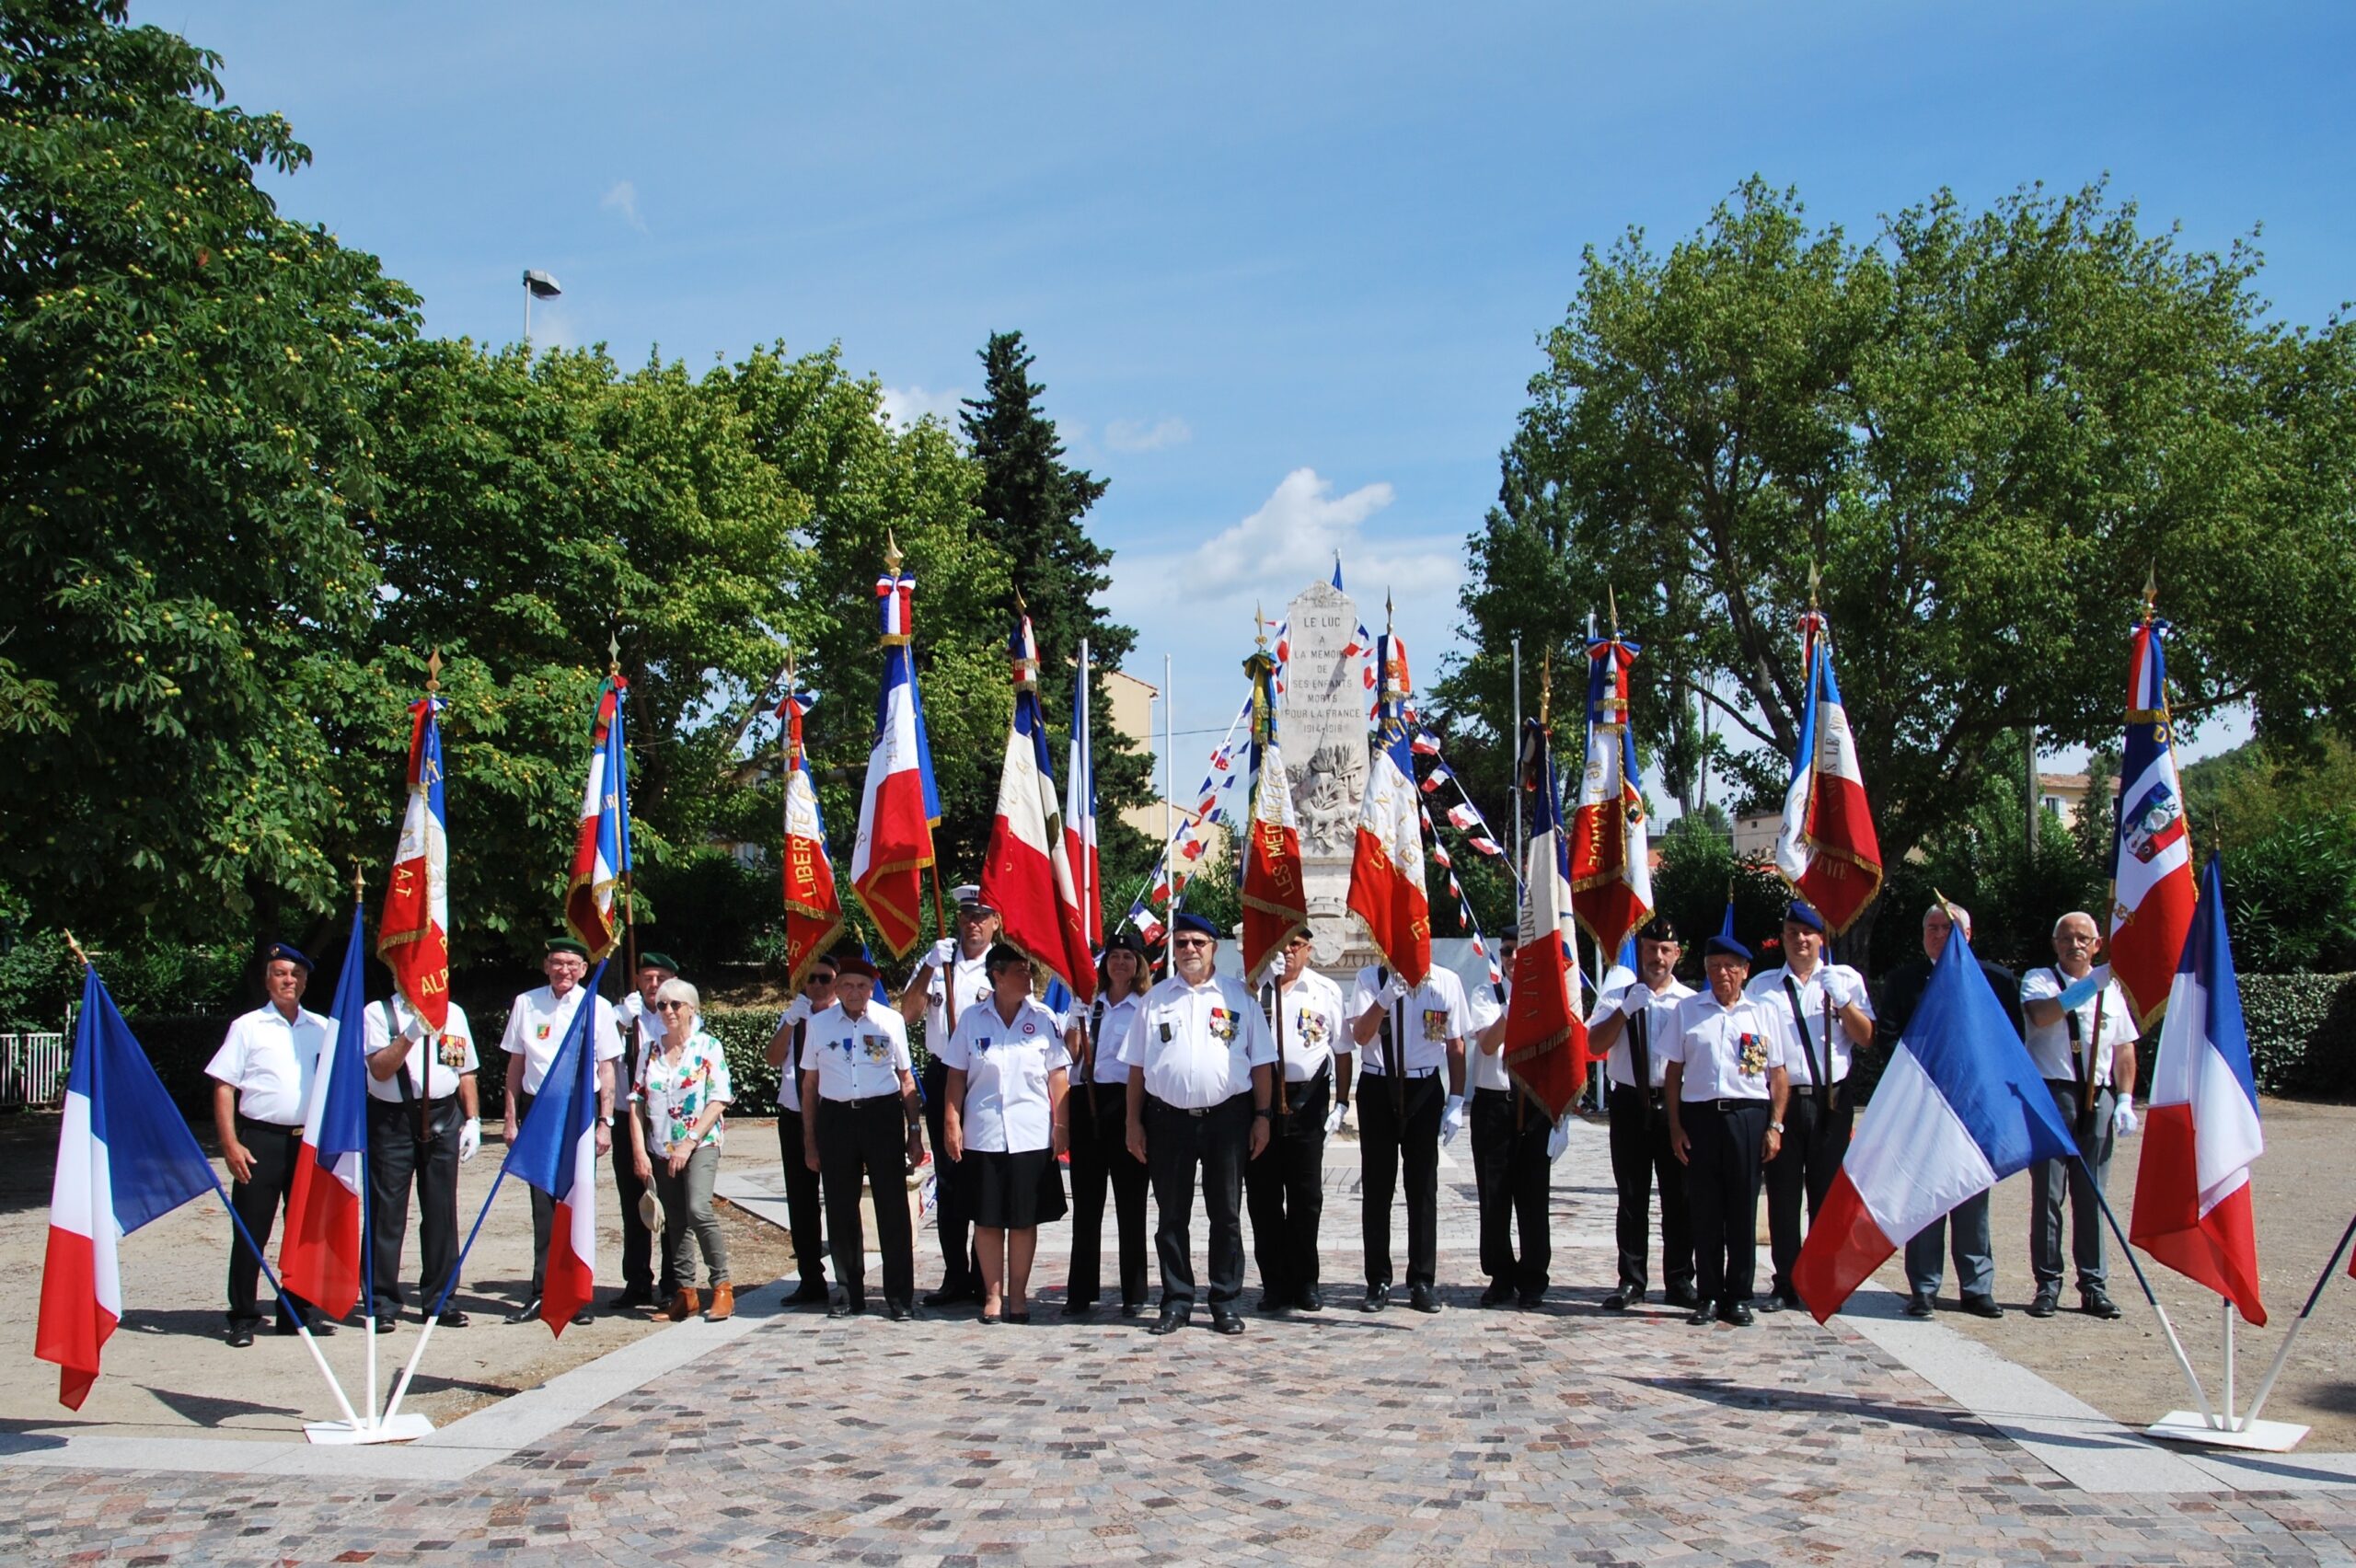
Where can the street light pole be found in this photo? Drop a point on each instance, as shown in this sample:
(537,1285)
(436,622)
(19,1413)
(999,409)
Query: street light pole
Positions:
(536,285)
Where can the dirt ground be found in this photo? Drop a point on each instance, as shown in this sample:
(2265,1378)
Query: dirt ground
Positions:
(2303,1199)
(169,1373)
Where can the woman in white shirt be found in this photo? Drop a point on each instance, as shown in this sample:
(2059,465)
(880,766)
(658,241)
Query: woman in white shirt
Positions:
(682,1090)
(1003,1122)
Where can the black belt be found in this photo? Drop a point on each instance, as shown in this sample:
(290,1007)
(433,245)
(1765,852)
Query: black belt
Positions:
(869,1100)
(1829,1099)
(245,1121)
(1411,1075)
(1724,1107)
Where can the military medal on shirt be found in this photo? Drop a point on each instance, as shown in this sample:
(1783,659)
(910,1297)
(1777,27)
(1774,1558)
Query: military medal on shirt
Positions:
(1311,1027)
(453,1051)
(1752,1056)
(1434,1024)
(1224,1025)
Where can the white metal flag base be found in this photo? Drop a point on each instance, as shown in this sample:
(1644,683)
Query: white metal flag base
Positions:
(392,1429)
(2191,1426)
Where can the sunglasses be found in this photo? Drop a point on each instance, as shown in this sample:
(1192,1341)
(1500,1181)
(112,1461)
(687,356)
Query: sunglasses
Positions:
(1192,942)
(670,1007)
(817,980)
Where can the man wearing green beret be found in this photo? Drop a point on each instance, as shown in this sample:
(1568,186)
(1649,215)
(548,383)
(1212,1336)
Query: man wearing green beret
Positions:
(537,1025)
(641,1032)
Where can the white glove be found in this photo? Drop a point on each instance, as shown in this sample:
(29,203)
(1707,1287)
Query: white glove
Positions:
(1451,1119)
(1333,1120)
(1841,991)
(943,954)
(469,1138)
(1392,993)
(1639,999)
(2122,1121)
(1558,1140)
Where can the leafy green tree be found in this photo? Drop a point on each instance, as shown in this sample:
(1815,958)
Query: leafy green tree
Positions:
(185,391)
(1985,428)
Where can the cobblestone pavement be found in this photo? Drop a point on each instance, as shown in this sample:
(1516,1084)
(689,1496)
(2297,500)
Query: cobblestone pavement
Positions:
(1561,1435)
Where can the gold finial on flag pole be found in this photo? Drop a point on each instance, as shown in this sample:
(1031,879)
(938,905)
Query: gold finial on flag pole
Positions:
(613,653)
(358,882)
(433,673)
(1611,601)
(1815,580)
(2151,592)
(892,556)
(1260,622)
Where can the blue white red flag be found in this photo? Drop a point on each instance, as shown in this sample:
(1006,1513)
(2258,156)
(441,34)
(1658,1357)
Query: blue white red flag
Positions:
(1080,812)
(1829,851)
(898,805)
(1387,866)
(414,936)
(1612,874)
(814,909)
(2151,855)
(124,1156)
(1960,1107)
(601,856)
(1026,875)
(1545,1042)
(555,1151)
(2201,1129)
(327,1198)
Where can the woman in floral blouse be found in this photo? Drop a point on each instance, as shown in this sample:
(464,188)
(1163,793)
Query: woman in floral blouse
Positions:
(681,1091)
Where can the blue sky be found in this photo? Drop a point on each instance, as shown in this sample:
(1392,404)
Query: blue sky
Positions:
(1283,266)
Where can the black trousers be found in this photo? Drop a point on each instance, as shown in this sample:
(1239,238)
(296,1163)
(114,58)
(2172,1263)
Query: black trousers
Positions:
(1814,1141)
(638,1242)
(400,1162)
(952,1214)
(1509,1174)
(803,1191)
(1728,1140)
(868,1140)
(1286,1190)
(1176,1141)
(1387,1138)
(258,1201)
(1101,1158)
(1640,1155)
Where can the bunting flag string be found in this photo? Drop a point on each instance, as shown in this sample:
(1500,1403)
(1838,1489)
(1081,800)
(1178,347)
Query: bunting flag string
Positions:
(1463,903)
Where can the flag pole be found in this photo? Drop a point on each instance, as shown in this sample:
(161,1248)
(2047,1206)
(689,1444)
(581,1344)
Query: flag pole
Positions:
(2266,1386)
(2184,1362)
(368,1219)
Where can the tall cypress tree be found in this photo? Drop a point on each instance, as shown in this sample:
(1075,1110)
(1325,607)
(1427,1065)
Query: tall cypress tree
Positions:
(1033,505)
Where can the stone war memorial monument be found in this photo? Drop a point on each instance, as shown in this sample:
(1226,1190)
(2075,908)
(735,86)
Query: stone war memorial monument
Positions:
(1326,736)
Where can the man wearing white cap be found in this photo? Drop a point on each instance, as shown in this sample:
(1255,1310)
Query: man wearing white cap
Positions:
(954,976)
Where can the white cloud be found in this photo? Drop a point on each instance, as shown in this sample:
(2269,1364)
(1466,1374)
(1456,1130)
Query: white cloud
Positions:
(1295,532)
(1138,436)
(623,199)
(905,406)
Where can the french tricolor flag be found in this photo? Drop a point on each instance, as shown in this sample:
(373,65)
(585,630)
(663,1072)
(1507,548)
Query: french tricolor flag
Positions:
(555,1151)
(898,804)
(1387,868)
(1026,875)
(124,1156)
(320,1258)
(1080,812)
(2200,1131)
(601,854)
(1960,1108)
(1829,851)
(2151,854)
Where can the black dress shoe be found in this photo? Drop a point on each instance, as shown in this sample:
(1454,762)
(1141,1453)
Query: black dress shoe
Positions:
(1423,1298)
(1918,1304)
(1737,1313)
(526,1313)
(1530,1300)
(1702,1314)
(947,1297)
(453,1318)
(1132,1309)
(629,1300)
(1497,1294)
(1168,1323)
(1683,1295)
(1774,1303)
(241,1336)
(1078,1308)
(1620,1299)
(581,1318)
(812,1293)
(1378,1297)
(321,1328)
(2043,1303)
(1981,1306)
(1273,1304)
(387,1321)
(898,1311)
(2096,1303)
(1312,1300)
(1020,1320)
(1225,1322)
(845,1309)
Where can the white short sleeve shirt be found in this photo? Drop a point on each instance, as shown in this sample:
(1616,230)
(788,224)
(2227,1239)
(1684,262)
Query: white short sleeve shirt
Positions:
(1727,1051)
(2049,1044)
(1313,1025)
(1009,1068)
(1113,1037)
(1659,1022)
(268,1059)
(1197,1045)
(969,981)
(857,1058)
(1769,988)
(1436,1012)
(537,1025)
(442,1059)
(1483,1069)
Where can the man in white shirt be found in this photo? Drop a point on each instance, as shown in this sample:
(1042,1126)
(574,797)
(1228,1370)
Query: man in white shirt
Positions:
(642,1028)
(1099,1144)
(1201,1076)
(1631,1025)
(2082,1036)
(862,1122)
(1285,1185)
(1512,1162)
(954,976)
(788,1053)
(261,1076)
(1413,1041)
(538,1022)
(1726,1089)
(423,1122)
(1830,1013)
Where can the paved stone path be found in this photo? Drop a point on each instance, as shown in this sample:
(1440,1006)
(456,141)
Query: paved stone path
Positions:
(1562,1435)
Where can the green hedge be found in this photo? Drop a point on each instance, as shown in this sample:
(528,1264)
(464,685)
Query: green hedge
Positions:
(2302,1033)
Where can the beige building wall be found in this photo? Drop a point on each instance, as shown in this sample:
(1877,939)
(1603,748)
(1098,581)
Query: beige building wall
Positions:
(1134,716)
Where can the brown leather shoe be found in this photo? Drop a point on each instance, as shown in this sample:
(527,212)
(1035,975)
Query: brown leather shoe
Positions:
(684,1304)
(723,1302)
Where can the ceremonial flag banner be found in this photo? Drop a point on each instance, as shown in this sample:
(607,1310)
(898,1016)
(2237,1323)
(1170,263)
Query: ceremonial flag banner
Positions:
(601,857)
(1080,814)
(555,1151)
(1960,1108)
(1387,869)
(2151,855)
(328,1195)
(1275,897)
(1828,851)
(1027,875)
(1611,875)
(1546,1043)
(898,805)
(414,939)
(124,1156)
(813,910)
(2201,1129)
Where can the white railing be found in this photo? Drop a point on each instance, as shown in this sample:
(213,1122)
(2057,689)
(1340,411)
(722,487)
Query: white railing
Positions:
(32,1069)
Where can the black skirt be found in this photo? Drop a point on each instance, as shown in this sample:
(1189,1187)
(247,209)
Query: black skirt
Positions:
(1012,1191)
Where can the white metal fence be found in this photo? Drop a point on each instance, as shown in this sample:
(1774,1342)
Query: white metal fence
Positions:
(32,1069)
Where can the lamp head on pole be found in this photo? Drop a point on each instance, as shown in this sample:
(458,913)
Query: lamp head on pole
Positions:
(540,285)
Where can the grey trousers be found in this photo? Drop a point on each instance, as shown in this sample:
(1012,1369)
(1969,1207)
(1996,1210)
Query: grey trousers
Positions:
(2051,1178)
(687,1206)
(1975,1261)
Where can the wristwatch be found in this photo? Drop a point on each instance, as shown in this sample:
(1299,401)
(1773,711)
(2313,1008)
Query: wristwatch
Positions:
(1776,1127)
(1261,1110)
